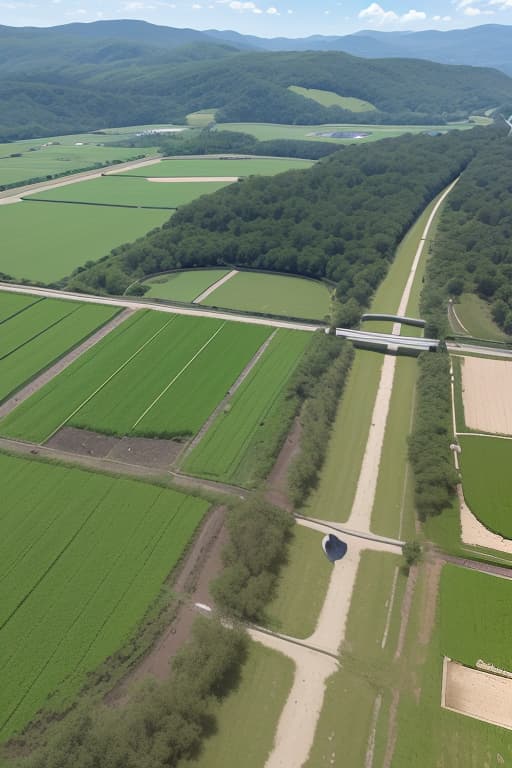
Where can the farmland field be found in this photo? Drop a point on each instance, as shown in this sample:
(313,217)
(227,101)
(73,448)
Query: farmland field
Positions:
(47,241)
(222,450)
(155,375)
(183,286)
(210,166)
(12,303)
(41,332)
(40,162)
(124,190)
(475,315)
(264,131)
(487,481)
(331,99)
(82,557)
(275,294)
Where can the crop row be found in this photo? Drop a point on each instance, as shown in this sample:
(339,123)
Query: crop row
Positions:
(223,447)
(161,375)
(41,348)
(104,557)
(12,303)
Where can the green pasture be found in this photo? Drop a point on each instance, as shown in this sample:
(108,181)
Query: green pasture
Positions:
(184,167)
(487,481)
(273,294)
(158,375)
(475,315)
(331,99)
(182,286)
(333,498)
(40,162)
(265,131)
(13,303)
(393,511)
(201,118)
(234,435)
(44,242)
(82,556)
(303,583)
(123,190)
(428,735)
(40,334)
(246,721)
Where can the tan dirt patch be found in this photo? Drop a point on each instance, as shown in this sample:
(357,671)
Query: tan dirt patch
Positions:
(277,481)
(476,534)
(477,694)
(486,388)
(180,179)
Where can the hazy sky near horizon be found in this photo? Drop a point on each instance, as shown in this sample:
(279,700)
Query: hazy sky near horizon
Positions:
(268,18)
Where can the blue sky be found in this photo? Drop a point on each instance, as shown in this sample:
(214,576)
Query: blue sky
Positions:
(268,18)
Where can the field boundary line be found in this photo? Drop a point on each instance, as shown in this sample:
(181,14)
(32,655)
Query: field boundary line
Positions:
(169,385)
(40,333)
(213,287)
(231,393)
(390,609)
(484,434)
(98,389)
(23,309)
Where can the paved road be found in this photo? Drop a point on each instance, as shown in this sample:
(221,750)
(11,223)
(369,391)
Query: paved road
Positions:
(476,350)
(125,301)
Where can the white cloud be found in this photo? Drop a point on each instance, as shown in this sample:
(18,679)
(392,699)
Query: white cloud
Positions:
(471,10)
(272,11)
(413,15)
(376,12)
(441,18)
(502,4)
(137,6)
(196,6)
(464,3)
(289,11)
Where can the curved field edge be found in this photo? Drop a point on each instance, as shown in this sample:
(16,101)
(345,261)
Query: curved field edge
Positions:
(83,557)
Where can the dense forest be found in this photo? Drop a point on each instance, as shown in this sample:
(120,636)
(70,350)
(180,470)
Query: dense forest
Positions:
(63,82)
(342,219)
(473,249)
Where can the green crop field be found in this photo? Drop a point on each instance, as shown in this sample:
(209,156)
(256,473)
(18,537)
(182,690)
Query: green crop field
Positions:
(47,241)
(183,286)
(475,315)
(12,303)
(275,294)
(37,161)
(125,190)
(331,99)
(264,131)
(487,481)
(222,449)
(212,166)
(156,374)
(82,556)
(40,333)
(247,719)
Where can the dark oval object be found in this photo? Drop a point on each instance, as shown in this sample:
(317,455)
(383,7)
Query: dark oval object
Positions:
(333,547)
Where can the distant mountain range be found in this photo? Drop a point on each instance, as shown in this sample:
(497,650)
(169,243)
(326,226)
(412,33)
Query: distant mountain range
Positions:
(108,73)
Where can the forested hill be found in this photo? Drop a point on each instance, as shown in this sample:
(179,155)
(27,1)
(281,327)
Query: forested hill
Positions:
(60,83)
(342,219)
(473,249)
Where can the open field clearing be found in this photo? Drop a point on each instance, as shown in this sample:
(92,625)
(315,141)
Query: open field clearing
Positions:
(475,316)
(471,622)
(478,694)
(183,286)
(82,558)
(225,166)
(331,99)
(156,375)
(247,719)
(487,481)
(264,131)
(39,162)
(302,585)
(275,294)
(41,333)
(225,451)
(486,388)
(123,190)
(46,241)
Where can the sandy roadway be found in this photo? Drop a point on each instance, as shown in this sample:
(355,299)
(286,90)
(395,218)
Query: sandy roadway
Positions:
(486,388)
(478,694)
(181,179)
(476,534)
(204,295)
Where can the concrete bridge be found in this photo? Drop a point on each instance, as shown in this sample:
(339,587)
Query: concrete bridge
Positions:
(388,342)
(417,321)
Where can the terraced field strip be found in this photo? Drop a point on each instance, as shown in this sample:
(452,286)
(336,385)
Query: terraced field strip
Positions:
(222,449)
(42,347)
(83,556)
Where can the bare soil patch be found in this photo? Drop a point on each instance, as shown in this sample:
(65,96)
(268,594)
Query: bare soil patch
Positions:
(486,388)
(476,534)
(477,694)
(142,451)
(277,481)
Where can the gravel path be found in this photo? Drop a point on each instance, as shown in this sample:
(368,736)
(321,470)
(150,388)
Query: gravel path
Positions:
(202,296)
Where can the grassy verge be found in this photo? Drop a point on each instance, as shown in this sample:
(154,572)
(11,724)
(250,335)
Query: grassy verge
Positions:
(393,510)
(475,316)
(302,585)
(333,498)
(247,719)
